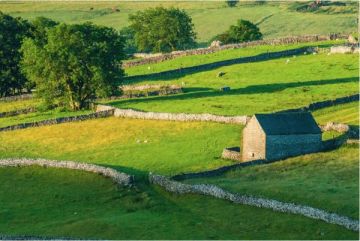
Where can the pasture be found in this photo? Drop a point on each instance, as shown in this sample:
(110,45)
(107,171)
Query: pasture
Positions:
(346,113)
(274,19)
(64,203)
(317,180)
(135,146)
(74,204)
(256,87)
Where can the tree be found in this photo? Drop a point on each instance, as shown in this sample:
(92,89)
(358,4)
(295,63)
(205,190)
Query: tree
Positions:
(162,30)
(39,27)
(232,3)
(128,35)
(242,32)
(12,32)
(77,64)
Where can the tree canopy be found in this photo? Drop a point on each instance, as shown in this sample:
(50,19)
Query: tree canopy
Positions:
(77,63)
(244,31)
(12,32)
(162,30)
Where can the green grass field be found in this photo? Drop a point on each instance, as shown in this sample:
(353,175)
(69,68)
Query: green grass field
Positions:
(346,113)
(194,60)
(54,202)
(6,106)
(265,86)
(318,180)
(273,19)
(135,146)
(39,116)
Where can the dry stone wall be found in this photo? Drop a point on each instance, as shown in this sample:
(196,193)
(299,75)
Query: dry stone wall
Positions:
(17,112)
(128,113)
(156,58)
(344,49)
(60,120)
(17,97)
(232,153)
(215,191)
(332,126)
(118,177)
(324,104)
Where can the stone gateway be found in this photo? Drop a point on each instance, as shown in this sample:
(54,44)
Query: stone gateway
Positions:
(280,135)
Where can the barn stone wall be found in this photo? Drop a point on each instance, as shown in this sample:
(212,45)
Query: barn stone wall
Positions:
(283,146)
(253,146)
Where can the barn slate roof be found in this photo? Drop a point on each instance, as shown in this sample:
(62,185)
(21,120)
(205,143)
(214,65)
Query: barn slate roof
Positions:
(294,123)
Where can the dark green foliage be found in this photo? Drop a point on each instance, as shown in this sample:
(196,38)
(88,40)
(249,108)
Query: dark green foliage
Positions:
(76,64)
(232,3)
(12,32)
(39,27)
(244,31)
(162,30)
(129,40)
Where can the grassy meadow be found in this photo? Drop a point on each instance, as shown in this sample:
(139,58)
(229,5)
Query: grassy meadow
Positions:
(274,19)
(135,146)
(345,113)
(326,180)
(194,60)
(67,203)
(6,106)
(55,202)
(39,116)
(256,87)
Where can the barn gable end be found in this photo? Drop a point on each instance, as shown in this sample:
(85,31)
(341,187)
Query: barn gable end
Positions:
(254,140)
(280,135)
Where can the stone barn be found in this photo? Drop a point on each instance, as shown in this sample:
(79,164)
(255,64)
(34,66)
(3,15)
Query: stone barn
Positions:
(280,135)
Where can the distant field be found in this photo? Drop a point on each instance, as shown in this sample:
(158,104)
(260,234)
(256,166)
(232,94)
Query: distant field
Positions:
(316,179)
(194,60)
(64,203)
(136,146)
(274,19)
(346,113)
(265,86)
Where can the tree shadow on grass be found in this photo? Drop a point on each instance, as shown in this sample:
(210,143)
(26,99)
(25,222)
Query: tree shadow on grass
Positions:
(181,72)
(251,89)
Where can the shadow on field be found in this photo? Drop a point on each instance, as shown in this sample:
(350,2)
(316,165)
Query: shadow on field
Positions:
(181,72)
(139,174)
(195,93)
